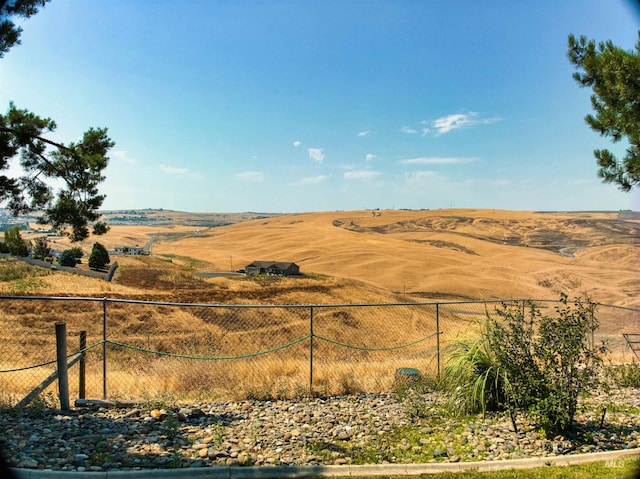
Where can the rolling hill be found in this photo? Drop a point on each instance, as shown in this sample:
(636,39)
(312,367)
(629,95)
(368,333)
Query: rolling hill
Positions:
(440,254)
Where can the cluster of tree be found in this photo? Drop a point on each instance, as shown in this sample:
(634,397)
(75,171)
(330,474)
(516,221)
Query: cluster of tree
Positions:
(16,245)
(98,258)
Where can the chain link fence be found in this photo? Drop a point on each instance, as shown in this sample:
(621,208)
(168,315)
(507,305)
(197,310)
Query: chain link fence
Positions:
(138,350)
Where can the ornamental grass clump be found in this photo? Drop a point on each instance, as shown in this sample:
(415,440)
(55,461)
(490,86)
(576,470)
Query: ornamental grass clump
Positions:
(524,361)
(474,377)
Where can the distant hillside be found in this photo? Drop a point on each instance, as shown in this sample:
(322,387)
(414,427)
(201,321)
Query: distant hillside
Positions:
(470,254)
(169,217)
(413,254)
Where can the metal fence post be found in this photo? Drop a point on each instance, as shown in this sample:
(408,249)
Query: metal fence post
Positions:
(81,366)
(438,337)
(593,331)
(104,348)
(61,357)
(311,350)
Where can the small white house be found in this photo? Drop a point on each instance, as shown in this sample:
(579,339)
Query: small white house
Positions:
(132,250)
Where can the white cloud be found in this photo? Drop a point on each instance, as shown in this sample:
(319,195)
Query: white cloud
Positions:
(170,170)
(250,176)
(316,154)
(436,160)
(122,156)
(370,156)
(362,175)
(296,143)
(408,129)
(421,176)
(311,180)
(457,121)
(364,133)
(424,132)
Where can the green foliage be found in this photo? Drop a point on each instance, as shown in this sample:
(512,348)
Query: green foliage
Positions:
(41,248)
(474,376)
(9,32)
(27,285)
(79,166)
(67,258)
(625,375)
(614,76)
(14,242)
(99,257)
(411,395)
(540,364)
(77,252)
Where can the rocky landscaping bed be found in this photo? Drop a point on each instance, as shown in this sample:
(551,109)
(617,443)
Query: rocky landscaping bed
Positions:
(356,429)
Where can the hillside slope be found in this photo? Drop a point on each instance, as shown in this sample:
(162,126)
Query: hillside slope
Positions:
(440,254)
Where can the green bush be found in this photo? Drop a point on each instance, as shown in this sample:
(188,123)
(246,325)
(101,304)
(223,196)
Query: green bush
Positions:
(14,242)
(625,375)
(67,258)
(537,364)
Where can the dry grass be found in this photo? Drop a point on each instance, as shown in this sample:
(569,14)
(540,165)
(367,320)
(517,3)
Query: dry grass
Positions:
(348,257)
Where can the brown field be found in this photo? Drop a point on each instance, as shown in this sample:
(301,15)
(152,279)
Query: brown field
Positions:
(349,257)
(420,255)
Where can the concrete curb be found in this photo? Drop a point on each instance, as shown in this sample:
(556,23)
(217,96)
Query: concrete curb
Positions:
(278,472)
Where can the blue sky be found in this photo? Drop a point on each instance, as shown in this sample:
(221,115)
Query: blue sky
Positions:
(292,106)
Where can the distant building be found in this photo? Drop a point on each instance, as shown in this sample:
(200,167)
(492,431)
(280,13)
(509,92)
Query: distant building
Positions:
(132,250)
(278,268)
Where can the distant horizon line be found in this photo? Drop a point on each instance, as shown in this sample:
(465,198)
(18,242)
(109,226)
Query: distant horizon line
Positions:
(368,209)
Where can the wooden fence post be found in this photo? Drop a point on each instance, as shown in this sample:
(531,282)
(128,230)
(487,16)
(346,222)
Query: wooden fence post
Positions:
(61,357)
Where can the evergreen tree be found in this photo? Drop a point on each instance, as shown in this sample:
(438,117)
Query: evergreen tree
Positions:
(23,137)
(9,32)
(99,257)
(614,76)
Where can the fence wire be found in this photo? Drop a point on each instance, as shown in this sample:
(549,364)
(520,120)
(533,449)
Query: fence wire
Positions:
(138,350)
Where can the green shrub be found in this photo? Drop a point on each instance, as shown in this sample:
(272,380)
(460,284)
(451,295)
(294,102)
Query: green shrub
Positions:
(14,242)
(625,375)
(41,248)
(67,258)
(538,364)
(474,377)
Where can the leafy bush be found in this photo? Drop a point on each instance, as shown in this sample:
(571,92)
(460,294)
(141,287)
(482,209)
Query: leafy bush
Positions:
(67,258)
(538,364)
(14,242)
(41,248)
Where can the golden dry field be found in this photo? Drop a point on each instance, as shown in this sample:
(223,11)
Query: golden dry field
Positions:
(351,257)
(392,254)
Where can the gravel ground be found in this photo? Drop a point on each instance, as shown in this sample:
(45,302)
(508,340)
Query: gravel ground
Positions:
(355,429)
